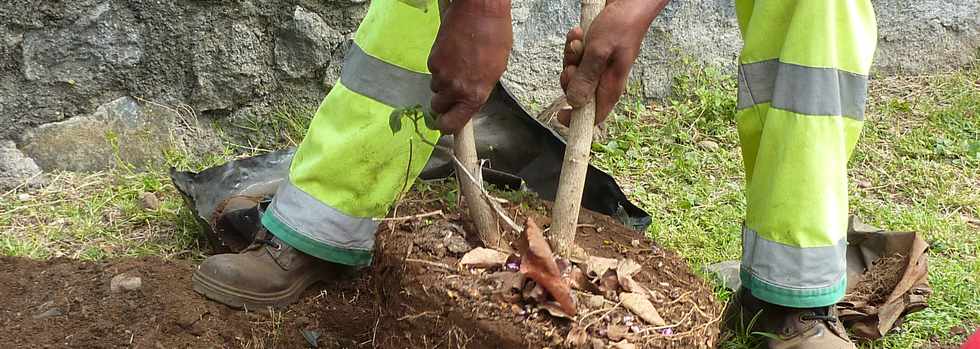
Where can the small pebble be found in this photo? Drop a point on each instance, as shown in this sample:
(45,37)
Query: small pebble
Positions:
(708,145)
(125,282)
(24,197)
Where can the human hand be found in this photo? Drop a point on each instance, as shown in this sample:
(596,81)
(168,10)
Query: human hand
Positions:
(599,67)
(468,57)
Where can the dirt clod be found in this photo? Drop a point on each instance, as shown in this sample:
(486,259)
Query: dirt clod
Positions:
(149,201)
(880,279)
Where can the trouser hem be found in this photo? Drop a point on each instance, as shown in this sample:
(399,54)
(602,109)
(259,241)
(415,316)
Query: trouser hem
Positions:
(324,251)
(791,297)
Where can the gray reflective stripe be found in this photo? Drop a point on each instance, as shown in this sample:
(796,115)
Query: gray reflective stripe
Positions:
(801,89)
(383,81)
(313,219)
(791,267)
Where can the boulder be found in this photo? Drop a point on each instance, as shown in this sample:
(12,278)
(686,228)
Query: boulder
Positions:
(305,43)
(16,169)
(122,130)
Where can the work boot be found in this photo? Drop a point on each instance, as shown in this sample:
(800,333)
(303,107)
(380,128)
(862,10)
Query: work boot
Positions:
(792,328)
(268,273)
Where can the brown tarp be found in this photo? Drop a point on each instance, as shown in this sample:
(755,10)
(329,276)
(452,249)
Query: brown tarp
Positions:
(886,279)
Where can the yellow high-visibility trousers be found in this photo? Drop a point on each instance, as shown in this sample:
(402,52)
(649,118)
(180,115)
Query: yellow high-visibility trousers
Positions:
(803,79)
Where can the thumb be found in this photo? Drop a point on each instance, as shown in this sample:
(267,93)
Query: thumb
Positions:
(457,117)
(583,82)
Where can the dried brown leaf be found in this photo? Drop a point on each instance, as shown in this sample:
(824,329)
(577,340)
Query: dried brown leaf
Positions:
(534,292)
(538,263)
(641,306)
(627,268)
(555,310)
(481,257)
(609,283)
(623,344)
(597,266)
(578,281)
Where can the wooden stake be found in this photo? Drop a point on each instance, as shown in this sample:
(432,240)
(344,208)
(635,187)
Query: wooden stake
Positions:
(464,146)
(576,163)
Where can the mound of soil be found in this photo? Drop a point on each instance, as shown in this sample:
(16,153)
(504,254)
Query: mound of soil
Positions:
(414,295)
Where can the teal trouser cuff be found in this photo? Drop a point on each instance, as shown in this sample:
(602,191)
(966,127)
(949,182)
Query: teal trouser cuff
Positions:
(794,298)
(354,258)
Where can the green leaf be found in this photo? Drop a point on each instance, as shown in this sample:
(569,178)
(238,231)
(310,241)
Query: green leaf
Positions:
(395,120)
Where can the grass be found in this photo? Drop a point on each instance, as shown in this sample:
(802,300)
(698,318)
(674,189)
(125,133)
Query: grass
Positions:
(101,215)
(917,167)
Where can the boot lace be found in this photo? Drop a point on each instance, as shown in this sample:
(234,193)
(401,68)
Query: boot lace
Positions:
(821,317)
(264,238)
(274,243)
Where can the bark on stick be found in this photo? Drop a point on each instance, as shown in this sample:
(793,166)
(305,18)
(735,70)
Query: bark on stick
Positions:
(464,146)
(576,162)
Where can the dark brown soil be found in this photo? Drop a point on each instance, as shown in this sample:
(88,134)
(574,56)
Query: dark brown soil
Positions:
(414,296)
(879,280)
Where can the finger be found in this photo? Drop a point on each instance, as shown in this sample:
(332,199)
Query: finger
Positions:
(573,53)
(456,117)
(612,84)
(566,76)
(565,116)
(582,84)
(574,34)
(442,102)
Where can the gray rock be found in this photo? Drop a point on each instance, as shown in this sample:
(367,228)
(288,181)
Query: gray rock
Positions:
(727,273)
(16,168)
(926,35)
(305,44)
(98,40)
(230,66)
(122,130)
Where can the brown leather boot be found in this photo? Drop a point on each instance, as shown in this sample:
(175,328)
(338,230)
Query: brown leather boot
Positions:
(792,328)
(268,273)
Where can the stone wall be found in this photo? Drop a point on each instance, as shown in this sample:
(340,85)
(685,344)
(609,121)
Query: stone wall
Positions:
(64,59)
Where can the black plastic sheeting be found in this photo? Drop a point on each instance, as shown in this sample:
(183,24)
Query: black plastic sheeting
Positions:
(523,154)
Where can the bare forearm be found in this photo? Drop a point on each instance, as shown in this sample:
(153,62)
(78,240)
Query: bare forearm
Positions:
(489,8)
